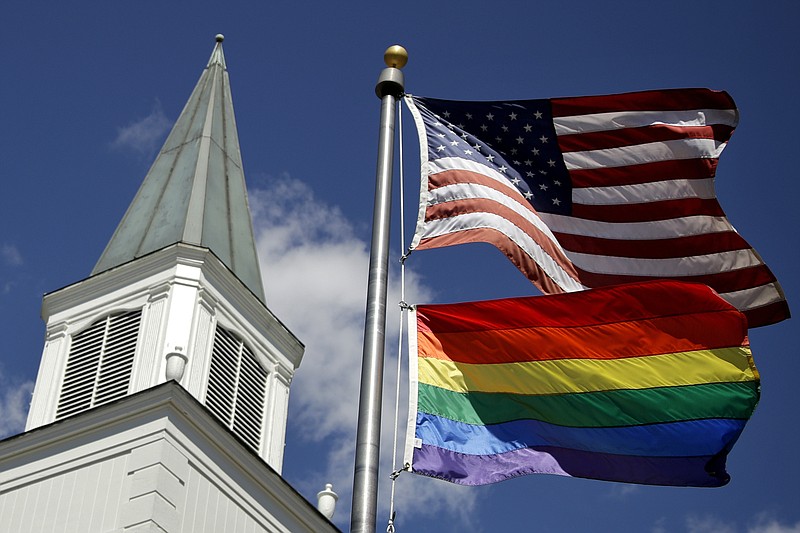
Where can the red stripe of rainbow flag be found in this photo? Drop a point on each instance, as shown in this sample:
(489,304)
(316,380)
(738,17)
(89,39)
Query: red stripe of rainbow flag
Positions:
(643,383)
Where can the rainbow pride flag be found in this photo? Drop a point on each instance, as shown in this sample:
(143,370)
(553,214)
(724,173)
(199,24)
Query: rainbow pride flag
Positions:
(647,383)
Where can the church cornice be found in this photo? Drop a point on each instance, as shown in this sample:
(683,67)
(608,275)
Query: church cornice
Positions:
(154,273)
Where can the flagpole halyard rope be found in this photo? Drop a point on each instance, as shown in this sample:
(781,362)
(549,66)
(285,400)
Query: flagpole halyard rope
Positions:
(403,309)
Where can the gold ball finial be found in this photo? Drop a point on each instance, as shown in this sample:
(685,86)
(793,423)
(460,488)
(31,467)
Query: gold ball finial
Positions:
(395,56)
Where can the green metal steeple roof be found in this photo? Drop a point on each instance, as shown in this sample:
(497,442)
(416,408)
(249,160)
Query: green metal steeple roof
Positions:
(195,191)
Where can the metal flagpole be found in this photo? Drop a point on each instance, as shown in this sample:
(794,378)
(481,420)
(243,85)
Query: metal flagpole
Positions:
(365,480)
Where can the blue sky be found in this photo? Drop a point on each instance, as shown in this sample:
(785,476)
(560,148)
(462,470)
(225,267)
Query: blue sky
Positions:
(90,90)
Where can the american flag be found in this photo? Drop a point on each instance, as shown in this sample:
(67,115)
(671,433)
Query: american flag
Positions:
(591,191)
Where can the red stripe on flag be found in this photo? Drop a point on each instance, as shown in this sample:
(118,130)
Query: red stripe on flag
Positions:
(629,136)
(515,254)
(768,314)
(650,211)
(722,282)
(605,305)
(661,100)
(709,243)
(450,209)
(467,177)
(646,173)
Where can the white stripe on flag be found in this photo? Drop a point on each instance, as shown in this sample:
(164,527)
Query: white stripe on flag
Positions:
(754,297)
(456,163)
(660,229)
(467,191)
(645,192)
(468,221)
(644,153)
(636,119)
(695,265)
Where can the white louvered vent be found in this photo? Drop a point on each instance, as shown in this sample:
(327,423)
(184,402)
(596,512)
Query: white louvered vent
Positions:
(99,363)
(237,387)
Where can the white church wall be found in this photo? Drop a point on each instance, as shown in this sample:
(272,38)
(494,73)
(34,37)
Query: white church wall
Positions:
(155,461)
(84,499)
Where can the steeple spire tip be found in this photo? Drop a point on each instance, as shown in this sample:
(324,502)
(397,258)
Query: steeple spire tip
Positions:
(217,57)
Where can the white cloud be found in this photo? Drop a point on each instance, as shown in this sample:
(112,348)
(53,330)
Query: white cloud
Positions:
(315,274)
(708,524)
(14,402)
(143,136)
(11,255)
(762,523)
(660,525)
(766,524)
(619,491)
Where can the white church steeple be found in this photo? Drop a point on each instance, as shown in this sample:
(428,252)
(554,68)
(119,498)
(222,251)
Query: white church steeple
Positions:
(177,293)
